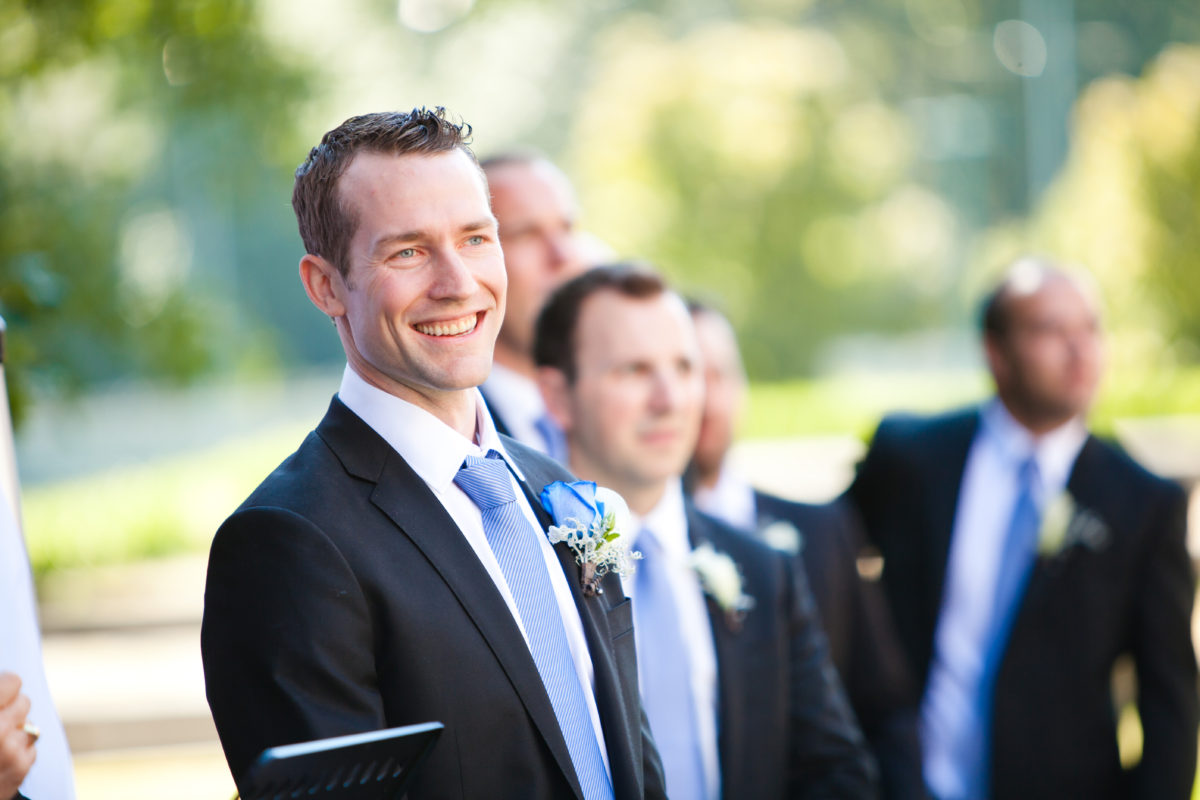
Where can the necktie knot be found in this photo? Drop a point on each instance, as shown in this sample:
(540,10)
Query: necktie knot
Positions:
(485,481)
(1028,475)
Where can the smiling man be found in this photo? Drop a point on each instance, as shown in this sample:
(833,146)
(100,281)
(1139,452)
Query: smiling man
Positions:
(395,569)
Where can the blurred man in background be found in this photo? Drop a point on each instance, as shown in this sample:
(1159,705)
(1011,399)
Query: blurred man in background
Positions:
(825,541)
(535,207)
(734,671)
(1022,557)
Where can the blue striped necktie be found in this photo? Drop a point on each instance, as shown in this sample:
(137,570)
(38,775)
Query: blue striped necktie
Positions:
(514,542)
(666,674)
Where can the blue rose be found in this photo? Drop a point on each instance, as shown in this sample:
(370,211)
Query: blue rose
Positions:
(571,501)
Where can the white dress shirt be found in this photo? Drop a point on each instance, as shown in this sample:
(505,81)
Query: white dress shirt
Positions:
(730,500)
(986,500)
(518,401)
(668,522)
(435,451)
(21,652)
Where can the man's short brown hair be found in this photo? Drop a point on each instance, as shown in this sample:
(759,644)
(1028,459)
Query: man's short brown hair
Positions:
(554,335)
(326,224)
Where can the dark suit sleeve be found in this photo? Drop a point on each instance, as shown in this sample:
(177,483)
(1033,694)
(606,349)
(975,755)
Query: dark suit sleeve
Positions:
(1166,663)
(828,756)
(877,680)
(286,637)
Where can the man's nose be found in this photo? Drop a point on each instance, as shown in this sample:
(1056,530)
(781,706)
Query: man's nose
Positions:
(455,279)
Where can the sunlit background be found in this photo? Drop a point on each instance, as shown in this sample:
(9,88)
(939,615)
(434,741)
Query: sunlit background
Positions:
(843,178)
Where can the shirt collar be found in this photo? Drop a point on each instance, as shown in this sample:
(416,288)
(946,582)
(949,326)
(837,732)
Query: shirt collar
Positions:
(513,394)
(1054,451)
(668,522)
(433,449)
(730,499)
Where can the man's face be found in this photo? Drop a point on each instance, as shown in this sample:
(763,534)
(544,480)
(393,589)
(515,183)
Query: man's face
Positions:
(536,211)
(633,411)
(725,388)
(425,291)
(1048,363)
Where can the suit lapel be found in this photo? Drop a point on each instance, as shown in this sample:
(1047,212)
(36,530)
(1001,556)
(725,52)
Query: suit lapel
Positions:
(731,723)
(948,463)
(406,499)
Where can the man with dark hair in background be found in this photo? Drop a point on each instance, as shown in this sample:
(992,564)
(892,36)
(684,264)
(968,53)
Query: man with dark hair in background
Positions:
(734,671)
(536,211)
(396,568)
(825,541)
(1022,557)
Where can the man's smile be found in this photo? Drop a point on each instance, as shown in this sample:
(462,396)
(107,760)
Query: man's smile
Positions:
(450,327)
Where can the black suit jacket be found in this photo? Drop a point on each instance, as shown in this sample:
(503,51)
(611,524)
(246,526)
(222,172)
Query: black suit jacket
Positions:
(1128,591)
(861,638)
(342,597)
(785,729)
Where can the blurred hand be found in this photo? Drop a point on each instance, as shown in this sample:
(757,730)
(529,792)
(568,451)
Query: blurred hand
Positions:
(16,746)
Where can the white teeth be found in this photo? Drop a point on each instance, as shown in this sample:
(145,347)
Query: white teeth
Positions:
(452,328)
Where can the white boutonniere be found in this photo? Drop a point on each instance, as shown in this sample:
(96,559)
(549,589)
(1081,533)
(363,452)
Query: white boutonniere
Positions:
(591,520)
(1065,524)
(783,536)
(722,581)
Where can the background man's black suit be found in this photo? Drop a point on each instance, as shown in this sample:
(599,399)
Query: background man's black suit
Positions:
(1053,730)
(784,728)
(341,597)
(862,642)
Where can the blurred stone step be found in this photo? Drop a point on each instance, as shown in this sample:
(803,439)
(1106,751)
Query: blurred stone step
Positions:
(161,592)
(134,687)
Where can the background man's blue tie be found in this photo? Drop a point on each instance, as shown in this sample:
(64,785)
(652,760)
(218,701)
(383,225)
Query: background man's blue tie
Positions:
(553,436)
(514,542)
(1016,563)
(666,674)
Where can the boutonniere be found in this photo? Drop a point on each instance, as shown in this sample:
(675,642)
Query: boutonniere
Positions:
(783,536)
(591,520)
(722,581)
(1065,525)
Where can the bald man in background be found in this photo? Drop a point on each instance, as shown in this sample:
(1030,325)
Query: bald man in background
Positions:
(535,206)
(1022,557)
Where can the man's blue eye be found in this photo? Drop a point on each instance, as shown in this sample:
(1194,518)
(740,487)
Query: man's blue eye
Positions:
(475,240)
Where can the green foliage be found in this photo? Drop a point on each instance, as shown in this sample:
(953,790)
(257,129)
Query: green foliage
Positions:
(123,124)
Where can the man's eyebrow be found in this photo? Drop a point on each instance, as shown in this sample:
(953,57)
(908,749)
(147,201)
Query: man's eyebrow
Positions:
(393,239)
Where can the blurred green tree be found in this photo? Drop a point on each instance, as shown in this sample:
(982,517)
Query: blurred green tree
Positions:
(126,126)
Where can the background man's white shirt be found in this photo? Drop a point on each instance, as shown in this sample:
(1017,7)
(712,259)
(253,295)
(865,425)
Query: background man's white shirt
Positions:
(668,521)
(435,451)
(518,401)
(730,500)
(986,499)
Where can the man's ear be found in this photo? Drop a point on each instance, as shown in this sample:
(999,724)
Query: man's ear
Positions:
(997,358)
(556,395)
(323,284)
